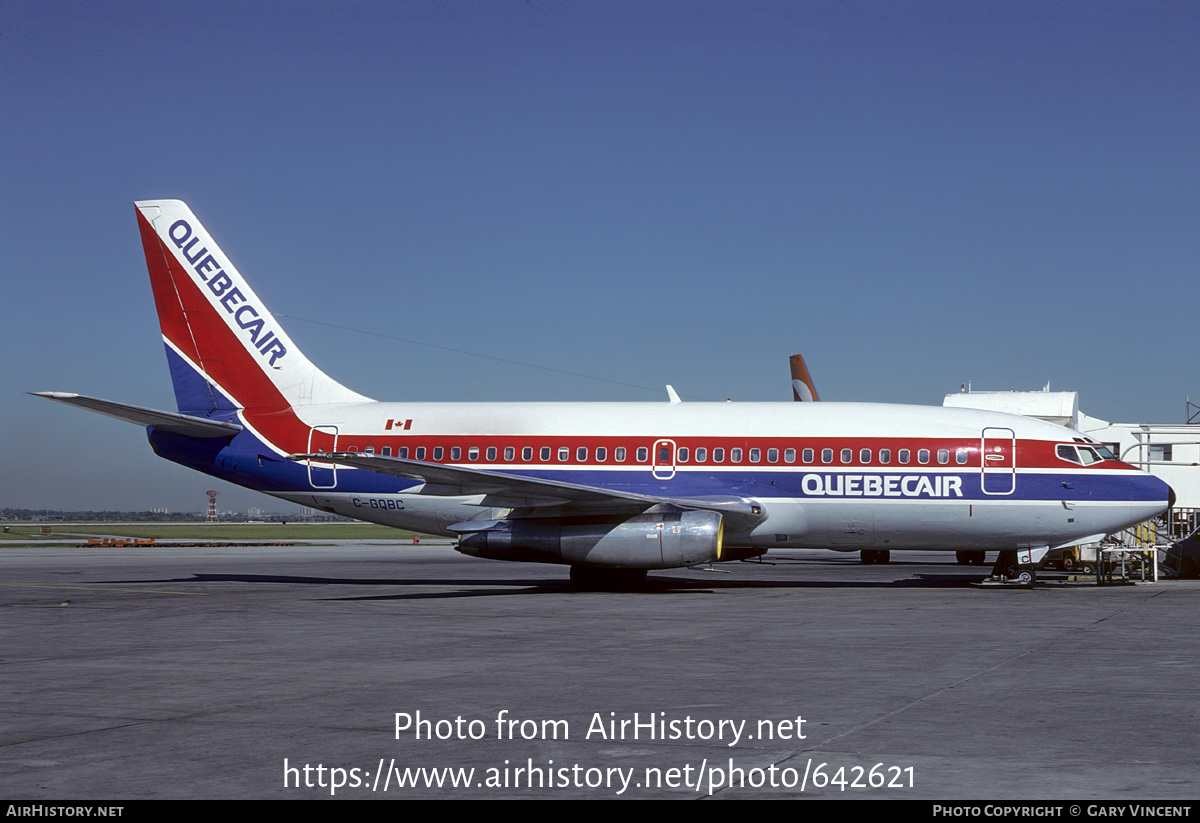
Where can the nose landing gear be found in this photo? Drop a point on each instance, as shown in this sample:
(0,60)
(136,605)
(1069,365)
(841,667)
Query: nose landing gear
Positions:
(1009,571)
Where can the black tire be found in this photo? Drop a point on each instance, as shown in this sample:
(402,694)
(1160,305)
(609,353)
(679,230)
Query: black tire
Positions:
(1026,577)
(1068,562)
(867,557)
(884,556)
(963,558)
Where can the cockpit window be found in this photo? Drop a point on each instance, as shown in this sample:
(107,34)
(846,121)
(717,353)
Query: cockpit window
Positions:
(1067,453)
(1083,455)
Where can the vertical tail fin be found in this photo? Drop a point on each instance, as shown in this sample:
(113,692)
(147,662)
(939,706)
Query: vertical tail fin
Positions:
(802,384)
(224,348)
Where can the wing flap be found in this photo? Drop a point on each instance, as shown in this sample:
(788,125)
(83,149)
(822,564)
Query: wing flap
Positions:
(529,493)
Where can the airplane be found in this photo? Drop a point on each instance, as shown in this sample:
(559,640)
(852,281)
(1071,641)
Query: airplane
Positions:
(610,489)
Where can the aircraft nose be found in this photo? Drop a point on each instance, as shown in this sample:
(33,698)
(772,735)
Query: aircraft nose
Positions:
(1170,497)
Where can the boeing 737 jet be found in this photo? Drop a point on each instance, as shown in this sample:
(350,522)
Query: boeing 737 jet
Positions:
(610,489)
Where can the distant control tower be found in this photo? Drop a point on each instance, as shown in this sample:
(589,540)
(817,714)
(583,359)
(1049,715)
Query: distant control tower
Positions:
(212,505)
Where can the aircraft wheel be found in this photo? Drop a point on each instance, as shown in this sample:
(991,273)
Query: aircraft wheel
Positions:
(867,556)
(963,558)
(1026,577)
(598,579)
(978,558)
(884,556)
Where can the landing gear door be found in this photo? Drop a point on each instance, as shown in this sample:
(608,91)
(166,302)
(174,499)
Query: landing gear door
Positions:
(322,439)
(998,460)
(662,459)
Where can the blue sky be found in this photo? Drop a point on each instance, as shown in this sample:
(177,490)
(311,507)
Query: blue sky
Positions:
(914,195)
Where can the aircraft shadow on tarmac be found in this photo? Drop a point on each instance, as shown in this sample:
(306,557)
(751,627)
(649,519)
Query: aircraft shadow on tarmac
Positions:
(492,587)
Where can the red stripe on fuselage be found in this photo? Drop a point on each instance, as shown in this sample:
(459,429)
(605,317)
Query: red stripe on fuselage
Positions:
(1031,454)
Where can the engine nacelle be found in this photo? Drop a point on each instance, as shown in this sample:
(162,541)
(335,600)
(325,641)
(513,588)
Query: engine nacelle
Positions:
(656,539)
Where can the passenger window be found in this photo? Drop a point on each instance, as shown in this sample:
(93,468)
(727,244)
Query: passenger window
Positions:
(826,455)
(681,455)
(885,456)
(789,455)
(527,453)
(545,453)
(420,452)
(864,455)
(438,452)
(735,455)
(664,455)
(905,455)
(701,455)
(755,455)
(601,454)
(619,454)
(369,450)
(402,452)
(960,456)
(564,454)
(773,456)
(581,454)
(847,455)
(473,453)
(455,453)
(642,454)
(807,455)
(943,456)
(509,453)
(718,455)
(923,456)
(387,451)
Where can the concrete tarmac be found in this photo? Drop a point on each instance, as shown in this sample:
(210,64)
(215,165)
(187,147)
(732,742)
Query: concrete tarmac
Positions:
(223,673)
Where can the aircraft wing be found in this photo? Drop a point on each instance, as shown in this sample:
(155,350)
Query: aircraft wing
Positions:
(517,491)
(172,422)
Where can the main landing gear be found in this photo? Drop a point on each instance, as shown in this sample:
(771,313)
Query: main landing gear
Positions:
(871,556)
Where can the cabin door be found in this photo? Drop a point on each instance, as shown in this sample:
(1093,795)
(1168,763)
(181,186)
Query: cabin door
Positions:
(998,460)
(662,459)
(322,439)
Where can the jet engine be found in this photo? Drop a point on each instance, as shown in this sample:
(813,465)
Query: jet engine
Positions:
(660,538)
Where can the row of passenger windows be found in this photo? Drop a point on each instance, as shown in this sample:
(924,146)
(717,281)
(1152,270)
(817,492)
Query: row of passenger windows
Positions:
(683,454)
(545,453)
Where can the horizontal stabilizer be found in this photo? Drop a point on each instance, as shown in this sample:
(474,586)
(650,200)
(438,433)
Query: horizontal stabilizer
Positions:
(173,422)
